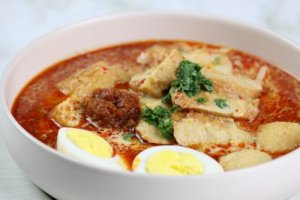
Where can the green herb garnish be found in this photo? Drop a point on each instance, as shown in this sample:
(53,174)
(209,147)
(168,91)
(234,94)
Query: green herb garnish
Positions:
(189,80)
(202,100)
(160,117)
(221,103)
(174,108)
(128,136)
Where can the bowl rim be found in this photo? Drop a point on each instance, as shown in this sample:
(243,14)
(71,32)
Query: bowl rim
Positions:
(227,20)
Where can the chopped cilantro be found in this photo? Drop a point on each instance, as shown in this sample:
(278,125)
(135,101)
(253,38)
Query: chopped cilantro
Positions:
(174,108)
(160,117)
(128,136)
(206,84)
(221,103)
(189,80)
(165,126)
(202,100)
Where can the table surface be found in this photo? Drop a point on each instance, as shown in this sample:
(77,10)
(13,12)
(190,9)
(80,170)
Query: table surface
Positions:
(23,21)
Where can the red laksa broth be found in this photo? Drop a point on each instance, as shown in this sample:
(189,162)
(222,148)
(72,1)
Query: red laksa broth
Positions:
(218,101)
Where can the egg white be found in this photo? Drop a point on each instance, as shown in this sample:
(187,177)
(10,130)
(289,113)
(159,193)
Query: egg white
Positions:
(67,147)
(209,164)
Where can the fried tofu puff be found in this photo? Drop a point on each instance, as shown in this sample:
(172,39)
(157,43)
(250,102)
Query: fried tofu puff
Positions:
(243,158)
(155,80)
(278,137)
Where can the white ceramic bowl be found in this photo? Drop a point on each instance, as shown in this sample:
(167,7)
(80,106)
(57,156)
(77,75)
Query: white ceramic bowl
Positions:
(64,178)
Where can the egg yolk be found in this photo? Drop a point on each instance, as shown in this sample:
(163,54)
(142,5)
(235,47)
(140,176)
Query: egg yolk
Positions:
(91,143)
(174,163)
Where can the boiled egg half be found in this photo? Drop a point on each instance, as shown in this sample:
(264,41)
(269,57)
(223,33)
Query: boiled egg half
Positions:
(174,160)
(88,147)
